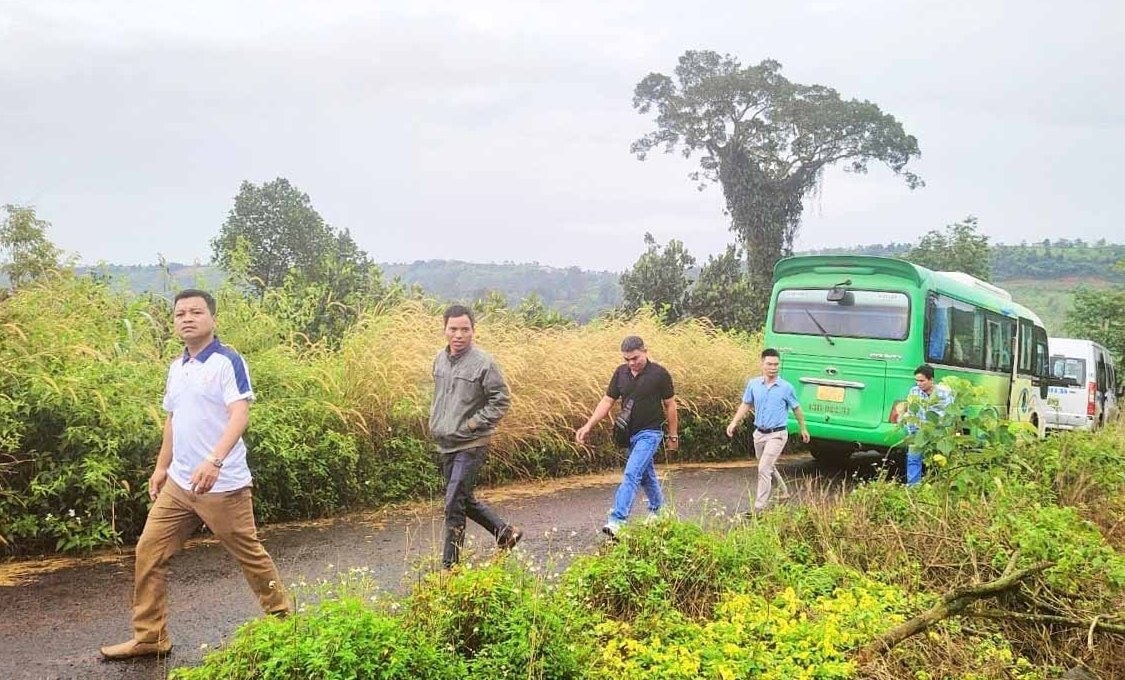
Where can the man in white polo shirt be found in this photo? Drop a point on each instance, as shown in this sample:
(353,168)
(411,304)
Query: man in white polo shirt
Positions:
(201,477)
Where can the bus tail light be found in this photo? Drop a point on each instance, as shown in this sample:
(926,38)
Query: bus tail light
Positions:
(1091,398)
(898,409)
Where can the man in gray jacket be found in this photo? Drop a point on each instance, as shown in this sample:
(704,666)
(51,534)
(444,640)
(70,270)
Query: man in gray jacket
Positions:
(470,398)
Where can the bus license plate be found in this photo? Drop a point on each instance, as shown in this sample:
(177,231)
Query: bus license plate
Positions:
(827,393)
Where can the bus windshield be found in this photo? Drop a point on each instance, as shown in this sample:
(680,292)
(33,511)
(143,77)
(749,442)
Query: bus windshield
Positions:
(872,314)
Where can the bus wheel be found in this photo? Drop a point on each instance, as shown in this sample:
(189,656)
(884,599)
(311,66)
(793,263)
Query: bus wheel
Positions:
(831,456)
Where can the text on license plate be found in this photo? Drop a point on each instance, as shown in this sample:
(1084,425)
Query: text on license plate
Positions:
(828,393)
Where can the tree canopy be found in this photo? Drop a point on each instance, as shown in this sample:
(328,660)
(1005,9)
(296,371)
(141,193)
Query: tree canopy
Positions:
(767,142)
(279,231)
(721,292)
(26,251)
(960,248)
(1099,315)
(659,278)
(277,240)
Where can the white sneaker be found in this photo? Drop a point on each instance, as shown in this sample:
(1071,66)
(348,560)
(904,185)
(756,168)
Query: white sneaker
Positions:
(653,517)
(611,528)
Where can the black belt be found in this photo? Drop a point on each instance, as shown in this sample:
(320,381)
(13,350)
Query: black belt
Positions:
(770,430)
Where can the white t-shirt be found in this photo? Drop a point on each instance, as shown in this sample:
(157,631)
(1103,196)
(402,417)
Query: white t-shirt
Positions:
(197,394)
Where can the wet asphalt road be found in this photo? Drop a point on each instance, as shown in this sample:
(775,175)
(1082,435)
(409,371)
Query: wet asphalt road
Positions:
(52,623)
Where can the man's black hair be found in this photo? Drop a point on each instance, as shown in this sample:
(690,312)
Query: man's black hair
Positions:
(770,352)
(196,293)
(632,343)
(454,311)
(926,370)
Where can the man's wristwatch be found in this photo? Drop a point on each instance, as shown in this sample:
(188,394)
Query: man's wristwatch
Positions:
(214,461)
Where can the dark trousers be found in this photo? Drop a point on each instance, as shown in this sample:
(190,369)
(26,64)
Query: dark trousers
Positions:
(459,470)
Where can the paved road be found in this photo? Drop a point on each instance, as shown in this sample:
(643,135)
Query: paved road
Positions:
(54,620)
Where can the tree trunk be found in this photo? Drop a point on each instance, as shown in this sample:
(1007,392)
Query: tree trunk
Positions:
(765,213)
(951,604)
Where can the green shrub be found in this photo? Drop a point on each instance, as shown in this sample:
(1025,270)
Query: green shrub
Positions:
(338,639)
(783,636)
(499,620)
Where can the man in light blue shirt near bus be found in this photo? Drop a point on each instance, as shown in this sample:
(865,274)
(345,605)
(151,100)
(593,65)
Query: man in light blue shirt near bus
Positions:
(771,399)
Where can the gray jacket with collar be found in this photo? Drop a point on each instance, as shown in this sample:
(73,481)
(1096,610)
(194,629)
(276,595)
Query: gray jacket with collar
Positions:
(470,398)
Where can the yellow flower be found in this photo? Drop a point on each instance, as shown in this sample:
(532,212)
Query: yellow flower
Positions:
(939,460)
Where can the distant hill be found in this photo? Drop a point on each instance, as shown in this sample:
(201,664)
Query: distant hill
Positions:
(141,278)
(574,292)
(1046,260)
(1041,276)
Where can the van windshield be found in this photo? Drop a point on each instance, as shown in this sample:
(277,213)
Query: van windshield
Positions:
(858,314)
(1068,367)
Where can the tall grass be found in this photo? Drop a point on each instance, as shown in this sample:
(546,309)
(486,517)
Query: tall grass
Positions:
(82,369)
(556,375)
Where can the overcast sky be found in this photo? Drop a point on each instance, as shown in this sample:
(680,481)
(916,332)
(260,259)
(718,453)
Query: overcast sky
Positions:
(499,131)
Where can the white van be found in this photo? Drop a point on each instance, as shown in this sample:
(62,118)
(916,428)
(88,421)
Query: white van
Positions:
(1084,391)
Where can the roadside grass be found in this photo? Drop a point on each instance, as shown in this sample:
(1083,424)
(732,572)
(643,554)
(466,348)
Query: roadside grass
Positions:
(794,593)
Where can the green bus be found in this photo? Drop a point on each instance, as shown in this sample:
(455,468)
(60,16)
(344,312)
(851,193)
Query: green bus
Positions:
(852,329)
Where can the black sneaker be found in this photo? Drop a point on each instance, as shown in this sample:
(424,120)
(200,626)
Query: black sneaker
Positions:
(509,537)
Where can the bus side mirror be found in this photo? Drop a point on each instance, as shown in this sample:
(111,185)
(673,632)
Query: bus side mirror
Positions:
(1044,385)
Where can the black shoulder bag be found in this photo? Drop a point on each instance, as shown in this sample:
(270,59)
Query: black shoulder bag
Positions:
(621,423)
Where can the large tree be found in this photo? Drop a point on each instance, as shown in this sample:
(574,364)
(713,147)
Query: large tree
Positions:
(767,141)
(319,275)
(26,251)
(276,228)
(660,278)
(960,248)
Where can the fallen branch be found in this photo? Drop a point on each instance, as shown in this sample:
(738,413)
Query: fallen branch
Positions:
(951,604)
(1096,624)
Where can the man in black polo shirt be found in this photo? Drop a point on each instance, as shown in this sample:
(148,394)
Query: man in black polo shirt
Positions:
(645,388)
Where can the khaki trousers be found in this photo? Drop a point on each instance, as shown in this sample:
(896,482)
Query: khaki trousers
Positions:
(171,521)
(767,448)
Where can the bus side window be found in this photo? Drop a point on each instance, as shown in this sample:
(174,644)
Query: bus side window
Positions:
(937,323)
(1042,357)
(1026,348)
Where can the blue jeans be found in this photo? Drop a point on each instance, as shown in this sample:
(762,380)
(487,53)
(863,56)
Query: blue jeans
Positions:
(639,471)
(913,467)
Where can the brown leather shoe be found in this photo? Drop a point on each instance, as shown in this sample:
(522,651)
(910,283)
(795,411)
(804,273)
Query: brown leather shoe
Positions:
(134,649)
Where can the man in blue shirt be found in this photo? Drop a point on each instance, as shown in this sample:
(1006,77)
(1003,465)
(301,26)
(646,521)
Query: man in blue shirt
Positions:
(771,399)
(924,388)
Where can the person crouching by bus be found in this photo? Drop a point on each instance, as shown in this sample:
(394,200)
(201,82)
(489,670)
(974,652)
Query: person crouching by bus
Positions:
(771,399)
(924,388)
